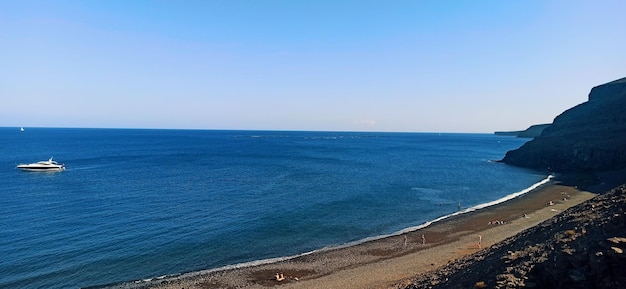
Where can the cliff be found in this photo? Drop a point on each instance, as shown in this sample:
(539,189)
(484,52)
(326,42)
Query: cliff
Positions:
(588,137)
(531,132)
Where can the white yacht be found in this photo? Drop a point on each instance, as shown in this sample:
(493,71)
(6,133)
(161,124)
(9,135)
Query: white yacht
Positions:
(42,166)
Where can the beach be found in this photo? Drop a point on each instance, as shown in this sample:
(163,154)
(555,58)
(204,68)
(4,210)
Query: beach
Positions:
(390,262)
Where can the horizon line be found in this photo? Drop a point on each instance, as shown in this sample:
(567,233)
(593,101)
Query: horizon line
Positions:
(244,129)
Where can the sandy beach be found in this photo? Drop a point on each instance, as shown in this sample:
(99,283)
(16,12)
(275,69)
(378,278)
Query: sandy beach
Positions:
(391,261)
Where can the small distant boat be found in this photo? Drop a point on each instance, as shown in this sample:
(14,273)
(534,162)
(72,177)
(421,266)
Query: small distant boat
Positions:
(22,129)
(42,166)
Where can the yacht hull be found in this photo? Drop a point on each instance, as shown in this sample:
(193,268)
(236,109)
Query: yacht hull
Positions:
(43,166)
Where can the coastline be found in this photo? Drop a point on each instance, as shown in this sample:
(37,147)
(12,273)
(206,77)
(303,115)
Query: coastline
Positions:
(387,261)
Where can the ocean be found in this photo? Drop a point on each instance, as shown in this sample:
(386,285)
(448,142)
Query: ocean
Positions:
(134,204)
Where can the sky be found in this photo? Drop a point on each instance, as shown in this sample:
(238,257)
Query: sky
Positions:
(398,66)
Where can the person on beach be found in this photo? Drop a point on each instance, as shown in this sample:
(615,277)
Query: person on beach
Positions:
(406,240)
(423,240)
(480,241)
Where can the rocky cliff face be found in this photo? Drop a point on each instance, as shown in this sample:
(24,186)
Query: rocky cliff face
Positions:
(588,137)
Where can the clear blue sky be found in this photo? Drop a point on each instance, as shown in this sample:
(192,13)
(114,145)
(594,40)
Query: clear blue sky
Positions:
(419,66)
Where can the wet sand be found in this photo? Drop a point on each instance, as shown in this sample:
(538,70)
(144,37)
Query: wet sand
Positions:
(391,261)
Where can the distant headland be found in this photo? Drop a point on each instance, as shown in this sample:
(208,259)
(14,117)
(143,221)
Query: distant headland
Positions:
(531,132)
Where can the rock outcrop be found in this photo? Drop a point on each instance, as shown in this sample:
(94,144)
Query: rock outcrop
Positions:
(588,137)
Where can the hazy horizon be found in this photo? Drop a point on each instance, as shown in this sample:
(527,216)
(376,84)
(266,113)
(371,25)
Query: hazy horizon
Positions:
(401,66)
(259,130)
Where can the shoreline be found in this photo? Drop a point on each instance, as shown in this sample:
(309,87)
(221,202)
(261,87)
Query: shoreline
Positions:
(388,260)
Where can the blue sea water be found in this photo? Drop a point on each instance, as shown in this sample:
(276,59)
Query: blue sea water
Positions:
(135,204)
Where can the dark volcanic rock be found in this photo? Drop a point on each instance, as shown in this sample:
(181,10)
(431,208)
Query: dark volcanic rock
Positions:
(588,137)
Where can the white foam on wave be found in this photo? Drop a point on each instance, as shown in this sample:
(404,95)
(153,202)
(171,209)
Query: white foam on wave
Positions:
(349,244)
(479,206)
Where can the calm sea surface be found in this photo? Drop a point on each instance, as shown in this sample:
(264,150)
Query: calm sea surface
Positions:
(135,204)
